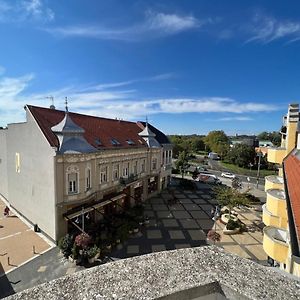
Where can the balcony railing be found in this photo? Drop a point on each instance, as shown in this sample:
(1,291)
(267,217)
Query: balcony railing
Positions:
(275,243)
(273,182)
(276,203)
(271,220)
(130,179)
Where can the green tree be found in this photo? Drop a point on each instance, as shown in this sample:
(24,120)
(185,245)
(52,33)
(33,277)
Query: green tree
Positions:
(182,163)
(241,155)
(230,198)
(217,141)
(274,137)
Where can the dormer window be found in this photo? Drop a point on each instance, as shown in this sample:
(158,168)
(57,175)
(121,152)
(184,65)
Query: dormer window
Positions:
(98,142)
(115,142)
(130,142)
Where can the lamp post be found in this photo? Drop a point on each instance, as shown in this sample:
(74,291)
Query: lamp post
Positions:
(259,154)
(82,218)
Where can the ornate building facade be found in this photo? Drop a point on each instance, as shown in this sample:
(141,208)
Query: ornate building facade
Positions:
(58,166)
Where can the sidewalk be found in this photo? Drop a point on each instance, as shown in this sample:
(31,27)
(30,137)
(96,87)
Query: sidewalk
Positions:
(45,267)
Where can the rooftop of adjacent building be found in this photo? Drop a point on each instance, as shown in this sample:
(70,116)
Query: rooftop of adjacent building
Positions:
(191,273)
(101,133)
(292,176)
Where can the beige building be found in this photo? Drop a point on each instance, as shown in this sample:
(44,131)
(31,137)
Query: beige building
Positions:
(59,168)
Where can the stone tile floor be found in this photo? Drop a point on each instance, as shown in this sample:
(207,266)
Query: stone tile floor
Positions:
(17,242)
(186,223)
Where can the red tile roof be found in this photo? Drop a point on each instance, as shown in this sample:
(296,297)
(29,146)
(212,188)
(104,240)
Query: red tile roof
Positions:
(95,128)
(292,175)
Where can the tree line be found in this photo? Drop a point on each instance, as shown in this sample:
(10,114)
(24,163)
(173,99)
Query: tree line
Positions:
(217,141)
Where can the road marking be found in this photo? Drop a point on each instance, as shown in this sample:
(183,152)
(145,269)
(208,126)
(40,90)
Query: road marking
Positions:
(8,236)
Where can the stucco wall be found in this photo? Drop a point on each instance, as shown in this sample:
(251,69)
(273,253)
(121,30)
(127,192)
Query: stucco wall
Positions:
(3,164)
(32,190)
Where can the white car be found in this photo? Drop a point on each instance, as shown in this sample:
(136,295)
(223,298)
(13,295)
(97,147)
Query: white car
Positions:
(228,175)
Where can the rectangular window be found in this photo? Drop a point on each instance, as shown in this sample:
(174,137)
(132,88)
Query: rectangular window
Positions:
(135,167)
(125,170)
(73,183)
(88,179)
(143,166)
(103,175)
(18,165)
(116,172)
(154,163)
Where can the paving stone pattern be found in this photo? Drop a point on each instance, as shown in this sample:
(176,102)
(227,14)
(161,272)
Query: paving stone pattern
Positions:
(186,223)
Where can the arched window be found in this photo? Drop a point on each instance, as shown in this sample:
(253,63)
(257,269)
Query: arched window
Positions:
(72,180)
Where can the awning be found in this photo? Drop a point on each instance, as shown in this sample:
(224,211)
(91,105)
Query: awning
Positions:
(94,206)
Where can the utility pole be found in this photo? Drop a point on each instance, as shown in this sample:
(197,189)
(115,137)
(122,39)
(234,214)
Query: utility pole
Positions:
(258,168)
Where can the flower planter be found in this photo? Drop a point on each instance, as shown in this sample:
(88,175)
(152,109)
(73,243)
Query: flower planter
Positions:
(231,231)
(71,259)
(108,247)
(141,223)
(91,260)
(118,241)
(130,231)
(225,218)
(135,230)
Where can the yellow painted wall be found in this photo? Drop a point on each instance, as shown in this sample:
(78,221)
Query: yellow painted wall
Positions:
(270,220)
(276,207)
(291,138)
(276,155)
(270,185)
(277,250)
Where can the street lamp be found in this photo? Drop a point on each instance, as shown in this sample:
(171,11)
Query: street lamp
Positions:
(259,154)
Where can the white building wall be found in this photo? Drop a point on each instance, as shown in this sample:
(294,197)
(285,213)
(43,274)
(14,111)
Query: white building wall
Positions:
(31,189)
(3,164)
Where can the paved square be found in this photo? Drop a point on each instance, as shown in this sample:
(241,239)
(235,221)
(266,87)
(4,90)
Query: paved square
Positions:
(164,214)
(197,235)
(181,246)
(181,214)
(199,214)
(133,249)
(170,223)
(176,235)
(154,234)
(191,207)
(158,248)
(189,224)
(159,207)
(176,207)
(206,224)
(17,241)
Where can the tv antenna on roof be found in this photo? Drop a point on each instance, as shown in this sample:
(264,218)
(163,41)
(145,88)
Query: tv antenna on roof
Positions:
(66,103)
(52,101)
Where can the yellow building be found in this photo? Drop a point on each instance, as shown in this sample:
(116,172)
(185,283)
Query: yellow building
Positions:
(281,213)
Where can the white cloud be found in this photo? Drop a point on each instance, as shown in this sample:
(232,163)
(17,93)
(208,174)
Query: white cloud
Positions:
(110,102)
(154,25)
(25,10)
(164,76)
(267,29)
(235,119)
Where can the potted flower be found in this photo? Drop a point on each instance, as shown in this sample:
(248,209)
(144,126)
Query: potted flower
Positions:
(213,236)
(93,253)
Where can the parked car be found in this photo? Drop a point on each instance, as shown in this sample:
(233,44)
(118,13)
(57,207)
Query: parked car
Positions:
(228,175)
(208,178)
(201,169)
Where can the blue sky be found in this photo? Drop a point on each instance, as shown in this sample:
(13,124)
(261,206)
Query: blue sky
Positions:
(190,66)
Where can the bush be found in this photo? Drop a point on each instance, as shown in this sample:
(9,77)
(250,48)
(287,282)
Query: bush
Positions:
(175,171)
(93,251)
(231,225)
(252,198)
(65,244)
